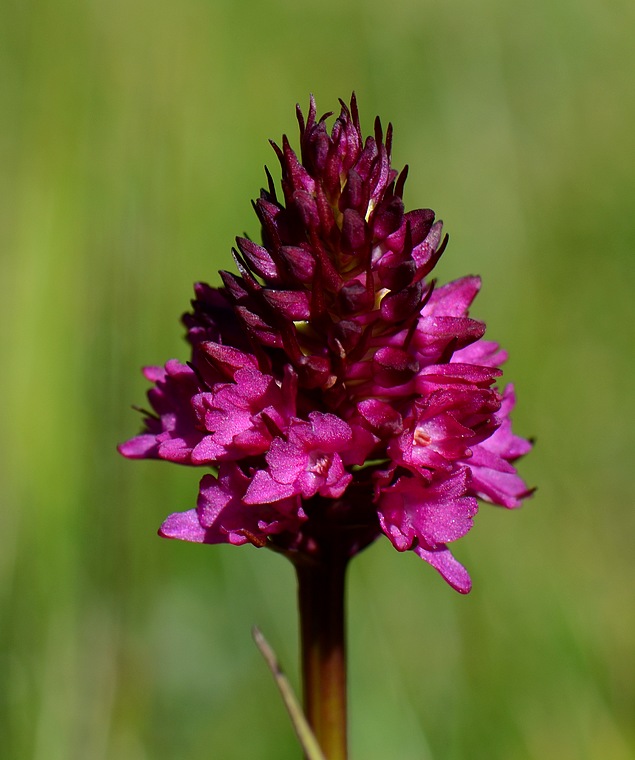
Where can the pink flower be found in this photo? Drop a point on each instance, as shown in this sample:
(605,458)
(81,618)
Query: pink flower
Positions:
(334,391)
(220,515)
(310,461)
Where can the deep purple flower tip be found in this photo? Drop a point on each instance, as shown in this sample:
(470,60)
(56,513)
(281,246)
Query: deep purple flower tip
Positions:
(332,389)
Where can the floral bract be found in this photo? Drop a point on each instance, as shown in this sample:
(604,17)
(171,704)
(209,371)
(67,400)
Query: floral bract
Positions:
(334,391)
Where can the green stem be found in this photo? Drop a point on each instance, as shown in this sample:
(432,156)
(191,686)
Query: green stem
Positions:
(323,651)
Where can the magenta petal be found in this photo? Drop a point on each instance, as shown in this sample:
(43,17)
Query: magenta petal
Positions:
(328,431)
(503,488)
(292,304)
(207,451)
(503,442)
(259,258)
(483,352)
(141,447)
(453,299)
(450,569)
(434,514)
(286,460)
(482,457)
(424,253)
(494,478)
(184,526)
(228,358)
(360,447)
(382,417)
(337,479)
(263,489)
(177,450)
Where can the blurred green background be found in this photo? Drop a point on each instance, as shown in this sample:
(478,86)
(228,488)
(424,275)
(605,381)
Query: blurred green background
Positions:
(132,138)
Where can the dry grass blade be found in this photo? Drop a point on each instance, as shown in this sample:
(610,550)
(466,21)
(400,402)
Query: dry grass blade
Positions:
(300,724)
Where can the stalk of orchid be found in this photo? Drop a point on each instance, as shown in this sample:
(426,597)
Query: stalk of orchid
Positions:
(336,393)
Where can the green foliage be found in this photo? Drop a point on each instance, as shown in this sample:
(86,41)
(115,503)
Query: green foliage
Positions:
(132,138)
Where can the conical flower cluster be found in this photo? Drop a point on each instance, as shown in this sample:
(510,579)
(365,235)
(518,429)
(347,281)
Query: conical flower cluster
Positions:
(334,391)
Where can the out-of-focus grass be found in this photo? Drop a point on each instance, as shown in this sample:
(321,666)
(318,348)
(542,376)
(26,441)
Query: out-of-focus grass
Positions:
(132,137)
